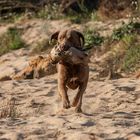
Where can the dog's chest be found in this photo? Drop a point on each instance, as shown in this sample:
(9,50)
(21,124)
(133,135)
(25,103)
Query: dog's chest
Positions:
(73,79)
(73,71)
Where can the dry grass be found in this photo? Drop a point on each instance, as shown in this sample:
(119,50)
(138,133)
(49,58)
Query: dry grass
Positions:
(8,109)
(115,9)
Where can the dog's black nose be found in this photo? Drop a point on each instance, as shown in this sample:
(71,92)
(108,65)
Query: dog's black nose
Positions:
(64,47)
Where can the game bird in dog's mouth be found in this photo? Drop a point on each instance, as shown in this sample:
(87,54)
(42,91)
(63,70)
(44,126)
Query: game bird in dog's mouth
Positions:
(72,66)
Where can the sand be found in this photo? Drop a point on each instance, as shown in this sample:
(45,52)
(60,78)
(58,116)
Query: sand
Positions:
(111,111)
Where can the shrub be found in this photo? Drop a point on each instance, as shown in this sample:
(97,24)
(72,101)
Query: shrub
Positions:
(15,39)
(78,18)
(126,53)
(132,55)
(50,11)
(92,38)
(124,30)
(11,40)
(82,17)
(95,16)
(128,36)
(132,58)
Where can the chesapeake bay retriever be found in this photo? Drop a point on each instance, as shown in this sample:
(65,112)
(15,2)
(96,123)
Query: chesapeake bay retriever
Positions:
(72,73)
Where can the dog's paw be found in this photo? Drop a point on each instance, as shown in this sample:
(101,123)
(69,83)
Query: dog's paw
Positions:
(66,104)
(78,110)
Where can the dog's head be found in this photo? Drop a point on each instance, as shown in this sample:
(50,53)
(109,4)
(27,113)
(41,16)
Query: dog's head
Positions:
(68,38)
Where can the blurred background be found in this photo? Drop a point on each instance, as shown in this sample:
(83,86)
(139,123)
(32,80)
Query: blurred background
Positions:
(103,8)
(110,27)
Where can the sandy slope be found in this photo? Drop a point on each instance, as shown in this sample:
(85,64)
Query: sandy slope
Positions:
(35,30)
(111,111)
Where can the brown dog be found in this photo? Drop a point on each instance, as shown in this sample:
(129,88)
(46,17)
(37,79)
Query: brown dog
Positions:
(71,75)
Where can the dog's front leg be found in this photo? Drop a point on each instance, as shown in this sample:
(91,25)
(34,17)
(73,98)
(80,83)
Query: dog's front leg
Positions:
(62,89)
(77,102)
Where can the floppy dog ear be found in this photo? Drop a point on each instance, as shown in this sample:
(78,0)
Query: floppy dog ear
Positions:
(54,35)
(81,37)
